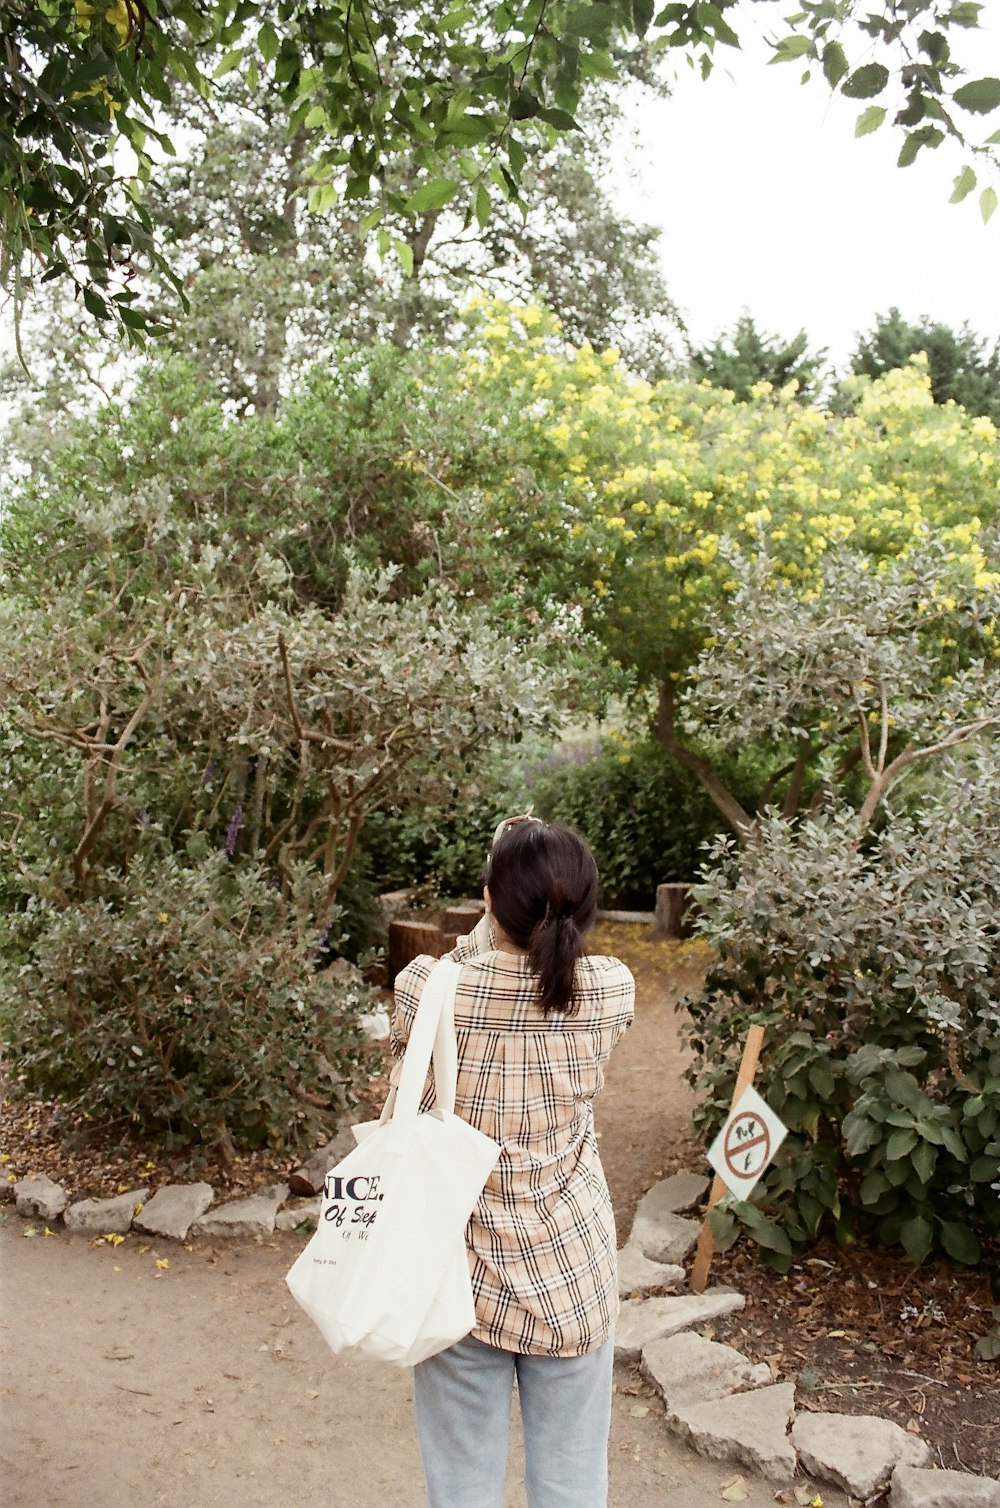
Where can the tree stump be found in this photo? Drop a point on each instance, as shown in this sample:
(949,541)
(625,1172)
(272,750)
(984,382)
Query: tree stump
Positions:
(672,916)
(407,940)
(461,919)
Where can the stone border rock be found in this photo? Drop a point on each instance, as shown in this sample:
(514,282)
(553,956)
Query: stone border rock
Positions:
(714,1397)
(728,1409)
(175,1212)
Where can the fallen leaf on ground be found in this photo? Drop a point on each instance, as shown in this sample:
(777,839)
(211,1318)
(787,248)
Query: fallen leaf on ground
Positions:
(49,1232)
(735,1491)
(163,1263)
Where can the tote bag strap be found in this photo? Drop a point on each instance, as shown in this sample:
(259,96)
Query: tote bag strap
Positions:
(432,1033)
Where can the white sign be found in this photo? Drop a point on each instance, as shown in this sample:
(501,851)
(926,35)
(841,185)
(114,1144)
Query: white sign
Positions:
(746,1144)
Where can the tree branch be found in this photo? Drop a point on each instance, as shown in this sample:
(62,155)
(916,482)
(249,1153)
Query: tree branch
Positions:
(910,755)
(739,820)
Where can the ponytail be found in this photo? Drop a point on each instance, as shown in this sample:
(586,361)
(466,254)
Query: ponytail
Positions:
(543,889)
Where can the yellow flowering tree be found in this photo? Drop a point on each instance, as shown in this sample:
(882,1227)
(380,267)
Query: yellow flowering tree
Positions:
(639,490)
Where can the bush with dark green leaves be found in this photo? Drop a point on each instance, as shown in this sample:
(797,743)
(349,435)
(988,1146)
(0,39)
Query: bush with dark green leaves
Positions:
(874,967)
(185,1002)
(645,817)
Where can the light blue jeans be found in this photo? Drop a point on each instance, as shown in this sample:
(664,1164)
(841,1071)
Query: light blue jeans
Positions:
(463,1398)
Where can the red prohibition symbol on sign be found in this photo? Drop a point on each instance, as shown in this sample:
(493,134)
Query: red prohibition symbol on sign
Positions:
(747,1147)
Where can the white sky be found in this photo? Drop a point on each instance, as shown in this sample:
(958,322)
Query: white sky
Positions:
(768,202)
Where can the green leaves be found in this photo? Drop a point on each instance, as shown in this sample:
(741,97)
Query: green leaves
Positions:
(926,136)
(267,41)
(917,1237)
(432,196)
(322,197)
(869,120)
(835,64)
(382,87)
(866,82)
(980,96)
(792,47)
(764,1231)
(964,184)
(960,1242)
(988,204)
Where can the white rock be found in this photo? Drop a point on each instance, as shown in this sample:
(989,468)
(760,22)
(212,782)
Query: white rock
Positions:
(375,1025)
(174,1208)
(688,1369)
(39,1198)
(253,1216)
(105,1216)
(637,1274)
(751,1428)
(672,1195)
(641,1321)
(667,1238)
(856,1451)
(916,1488)
(304,1213)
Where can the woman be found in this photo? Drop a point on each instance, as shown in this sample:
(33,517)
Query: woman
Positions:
(536,1020)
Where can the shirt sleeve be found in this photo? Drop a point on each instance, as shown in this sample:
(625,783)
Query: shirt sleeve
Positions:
(407,990)
(618,1004)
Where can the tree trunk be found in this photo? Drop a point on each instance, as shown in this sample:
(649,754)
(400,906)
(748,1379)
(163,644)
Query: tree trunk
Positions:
(739,820)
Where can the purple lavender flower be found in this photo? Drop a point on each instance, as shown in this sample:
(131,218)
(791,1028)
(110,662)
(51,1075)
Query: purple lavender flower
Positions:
(208,773)
(233,830)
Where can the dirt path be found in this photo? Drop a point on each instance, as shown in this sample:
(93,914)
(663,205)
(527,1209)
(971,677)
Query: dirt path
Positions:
(199,1382)
(203,1386)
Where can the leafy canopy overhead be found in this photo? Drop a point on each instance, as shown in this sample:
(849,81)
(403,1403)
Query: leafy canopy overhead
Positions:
(461,88)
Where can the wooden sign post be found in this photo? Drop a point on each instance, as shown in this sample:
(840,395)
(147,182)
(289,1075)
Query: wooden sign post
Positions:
(706,1246)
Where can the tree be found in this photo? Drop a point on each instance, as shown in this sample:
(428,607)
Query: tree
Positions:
(636,487)
(738,361)
(962,369)
(195,729)
(375,83)
(272,287)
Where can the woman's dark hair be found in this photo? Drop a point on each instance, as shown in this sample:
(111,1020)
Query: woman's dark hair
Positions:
(543,891)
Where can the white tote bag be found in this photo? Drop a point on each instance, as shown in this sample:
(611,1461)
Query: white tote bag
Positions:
(386,1275)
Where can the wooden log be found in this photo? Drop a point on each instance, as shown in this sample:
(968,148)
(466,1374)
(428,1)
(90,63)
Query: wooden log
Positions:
(672,917)
(308,1177)
(461,919)
(407,940)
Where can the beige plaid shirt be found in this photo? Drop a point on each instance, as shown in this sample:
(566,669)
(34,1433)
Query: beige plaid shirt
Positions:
(542,1237)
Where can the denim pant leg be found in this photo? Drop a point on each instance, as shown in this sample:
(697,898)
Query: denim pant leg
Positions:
(463,1398)
(566,1416)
